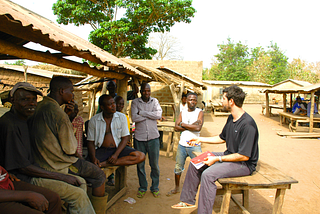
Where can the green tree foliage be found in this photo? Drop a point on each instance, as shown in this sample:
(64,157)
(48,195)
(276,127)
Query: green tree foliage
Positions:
(301,70)
(124,36)
(232,62)
(235,62)
(20,62)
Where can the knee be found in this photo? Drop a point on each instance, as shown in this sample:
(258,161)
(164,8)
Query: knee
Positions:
(140,156)
(208,177)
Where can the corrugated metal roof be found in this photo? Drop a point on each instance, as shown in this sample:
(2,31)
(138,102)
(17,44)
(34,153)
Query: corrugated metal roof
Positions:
(40,72)
(15,19)
(248,83)
(303,90)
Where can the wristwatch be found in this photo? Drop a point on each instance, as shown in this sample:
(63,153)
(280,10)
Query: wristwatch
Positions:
(220,159)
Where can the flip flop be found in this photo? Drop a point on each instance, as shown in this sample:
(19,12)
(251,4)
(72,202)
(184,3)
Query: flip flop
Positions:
(172,192)
(140,194)
(183,206)
(156,194)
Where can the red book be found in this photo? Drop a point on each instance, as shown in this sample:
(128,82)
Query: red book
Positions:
(198,161)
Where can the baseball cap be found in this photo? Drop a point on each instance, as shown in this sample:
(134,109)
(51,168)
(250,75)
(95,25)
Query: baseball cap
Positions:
(26,86)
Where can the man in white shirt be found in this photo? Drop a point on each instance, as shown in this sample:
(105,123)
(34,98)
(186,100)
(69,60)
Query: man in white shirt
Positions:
(108,135)
(189,124)
(183,104)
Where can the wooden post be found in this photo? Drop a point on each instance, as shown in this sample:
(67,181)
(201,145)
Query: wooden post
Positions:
(25,67)
(291,100)
(267,105)
(311,112)
(104,88)
(122,86)
(176,135)
(284,102)
(93,103)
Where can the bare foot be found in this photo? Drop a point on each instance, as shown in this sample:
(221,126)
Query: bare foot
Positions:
(104,164)
(172,192)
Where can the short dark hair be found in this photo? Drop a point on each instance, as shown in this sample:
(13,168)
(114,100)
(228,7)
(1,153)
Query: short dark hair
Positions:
(59,82)
(143,85)
(104,97)
(184,95)
(236,93)
(192,93)
(118,98)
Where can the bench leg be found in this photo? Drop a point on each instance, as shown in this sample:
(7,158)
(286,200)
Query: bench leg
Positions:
(170,139)
(225,202)
(278,202)
(245,198)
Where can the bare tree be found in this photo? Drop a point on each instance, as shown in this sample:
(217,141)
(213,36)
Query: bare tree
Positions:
(168,46)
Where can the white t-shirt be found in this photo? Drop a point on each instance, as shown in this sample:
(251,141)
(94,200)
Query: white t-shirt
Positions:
(189,118)
(183,107)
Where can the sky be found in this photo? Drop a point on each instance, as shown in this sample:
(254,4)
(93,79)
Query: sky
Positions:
(292,24)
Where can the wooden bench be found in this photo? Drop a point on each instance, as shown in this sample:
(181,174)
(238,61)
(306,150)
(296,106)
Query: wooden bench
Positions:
(167,126)
(266,177)
(270,108)
(120,173)
(295,120)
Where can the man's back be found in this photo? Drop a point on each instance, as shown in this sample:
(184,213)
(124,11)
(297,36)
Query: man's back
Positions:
(52,132)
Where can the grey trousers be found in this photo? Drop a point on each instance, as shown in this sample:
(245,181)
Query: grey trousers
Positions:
(207,175)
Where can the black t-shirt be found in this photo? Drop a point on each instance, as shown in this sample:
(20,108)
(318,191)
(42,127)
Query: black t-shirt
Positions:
(15,147)
(242,137)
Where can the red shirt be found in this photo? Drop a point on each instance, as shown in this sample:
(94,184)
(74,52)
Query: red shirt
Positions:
(5,182)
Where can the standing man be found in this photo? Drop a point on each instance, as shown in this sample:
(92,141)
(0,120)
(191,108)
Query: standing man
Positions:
(240,159)
(112,87)
(189,124)
(183,104)
(55,144)
(145,112)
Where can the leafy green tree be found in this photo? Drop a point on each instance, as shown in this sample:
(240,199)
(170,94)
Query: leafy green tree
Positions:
(232,60)
(126,36)
(278,64)
(20,62)
(259,68)
(301,70)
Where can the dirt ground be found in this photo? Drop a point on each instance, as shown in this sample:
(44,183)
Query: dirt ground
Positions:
(298,158)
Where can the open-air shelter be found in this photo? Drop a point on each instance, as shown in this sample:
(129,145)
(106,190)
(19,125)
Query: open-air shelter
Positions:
(311,89)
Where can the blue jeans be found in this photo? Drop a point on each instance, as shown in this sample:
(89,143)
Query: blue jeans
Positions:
(182,153)
(207,175)
(151,148)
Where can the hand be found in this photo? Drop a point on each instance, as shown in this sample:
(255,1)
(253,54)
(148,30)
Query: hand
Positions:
(129,144)
(69,109)
(194,141)
(13,177)
(95,161)
(70,180)
(37,201)
(210,160)
(113,159)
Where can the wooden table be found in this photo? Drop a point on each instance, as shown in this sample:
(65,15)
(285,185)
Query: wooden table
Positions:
(295,120)
(271,107)
(266,177)
(167,126)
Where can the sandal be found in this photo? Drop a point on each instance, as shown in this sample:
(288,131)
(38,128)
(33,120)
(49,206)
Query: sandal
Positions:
(182,205)
(156,194)
(172,192)
(141,194)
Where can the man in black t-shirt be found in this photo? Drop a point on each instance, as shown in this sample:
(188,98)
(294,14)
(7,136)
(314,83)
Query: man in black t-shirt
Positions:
(240,158)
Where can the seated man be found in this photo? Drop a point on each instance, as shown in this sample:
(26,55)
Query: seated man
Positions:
(20,197)
(16,153)
(315,112)
(56,146)
(108,135)
(298,107)
(241,135)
